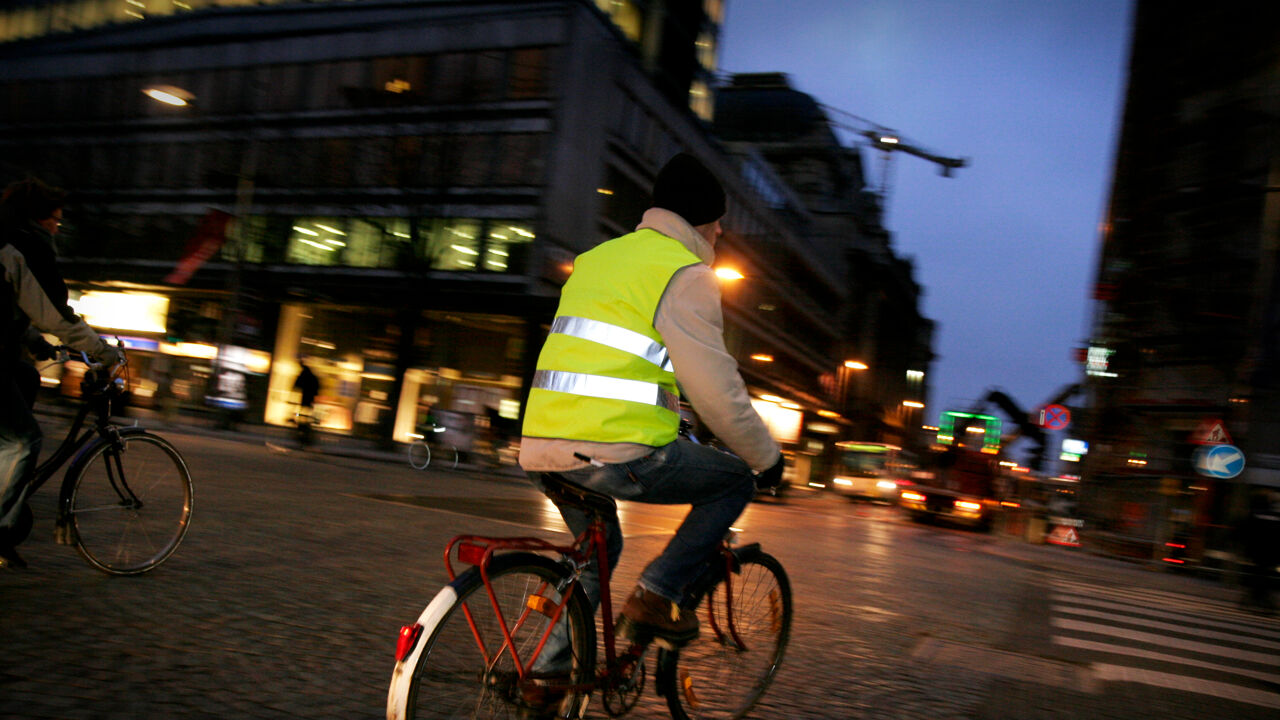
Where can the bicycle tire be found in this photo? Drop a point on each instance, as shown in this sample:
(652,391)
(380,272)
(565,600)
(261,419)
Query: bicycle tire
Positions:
(448,455)
(127,502)
(445,676)
(711,678)
(419,455)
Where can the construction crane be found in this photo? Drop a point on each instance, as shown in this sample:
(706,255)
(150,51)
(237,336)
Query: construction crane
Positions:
(888,142)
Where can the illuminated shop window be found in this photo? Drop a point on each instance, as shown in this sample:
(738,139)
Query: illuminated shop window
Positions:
(504,242)
(317,241)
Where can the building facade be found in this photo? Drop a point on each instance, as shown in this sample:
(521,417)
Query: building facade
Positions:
(392,191)
(885,341)
(1184,337)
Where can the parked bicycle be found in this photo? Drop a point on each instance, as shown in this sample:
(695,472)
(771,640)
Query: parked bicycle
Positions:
(472,651)
(432,444)
(125,501)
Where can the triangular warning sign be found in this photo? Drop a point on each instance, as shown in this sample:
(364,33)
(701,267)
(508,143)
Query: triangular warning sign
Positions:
(1064,535)
(1211,432)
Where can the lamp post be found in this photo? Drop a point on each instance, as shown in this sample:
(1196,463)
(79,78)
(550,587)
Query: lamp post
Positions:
(228,383)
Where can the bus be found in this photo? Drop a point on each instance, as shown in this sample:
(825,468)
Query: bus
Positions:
(871,470)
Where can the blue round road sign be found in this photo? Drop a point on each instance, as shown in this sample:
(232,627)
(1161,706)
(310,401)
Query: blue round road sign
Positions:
(1219,461)
(1055,417)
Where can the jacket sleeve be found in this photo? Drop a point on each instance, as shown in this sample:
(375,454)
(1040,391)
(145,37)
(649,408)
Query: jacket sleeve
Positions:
(32,299)
(692,327)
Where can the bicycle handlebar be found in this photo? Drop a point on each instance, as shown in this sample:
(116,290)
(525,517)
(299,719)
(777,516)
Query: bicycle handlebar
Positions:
(97,374)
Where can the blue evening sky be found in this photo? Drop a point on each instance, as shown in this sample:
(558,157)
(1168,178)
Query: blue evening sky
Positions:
(1031,91)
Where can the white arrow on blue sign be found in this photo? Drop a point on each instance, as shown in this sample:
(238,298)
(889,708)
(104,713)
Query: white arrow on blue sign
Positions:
(1219,461)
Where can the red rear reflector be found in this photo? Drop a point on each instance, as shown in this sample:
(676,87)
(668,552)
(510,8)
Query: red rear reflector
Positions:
(471,553)
(409,635)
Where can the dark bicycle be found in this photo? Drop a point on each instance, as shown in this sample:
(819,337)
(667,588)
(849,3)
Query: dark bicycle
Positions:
(125,501)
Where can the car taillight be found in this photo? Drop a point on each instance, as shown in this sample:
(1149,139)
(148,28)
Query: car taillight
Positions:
(911,496)
(409,635)
(968,505)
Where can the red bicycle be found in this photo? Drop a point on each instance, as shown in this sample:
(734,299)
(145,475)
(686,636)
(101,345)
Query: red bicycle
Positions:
(472,651)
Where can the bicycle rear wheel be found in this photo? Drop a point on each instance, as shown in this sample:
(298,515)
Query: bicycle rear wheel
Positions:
(419,455)
(746,623)
(447,456)
(450,676)
(128,502)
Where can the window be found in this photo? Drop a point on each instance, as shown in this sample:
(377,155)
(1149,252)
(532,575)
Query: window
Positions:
(529,73)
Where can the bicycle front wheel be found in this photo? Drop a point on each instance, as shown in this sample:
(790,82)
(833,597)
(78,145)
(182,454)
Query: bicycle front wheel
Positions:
(746,623)
(419,455)
(464,669)
(128,503)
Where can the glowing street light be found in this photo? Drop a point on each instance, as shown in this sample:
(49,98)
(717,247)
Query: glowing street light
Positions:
(855,365)
(912,403)
(169,95)
(728,273)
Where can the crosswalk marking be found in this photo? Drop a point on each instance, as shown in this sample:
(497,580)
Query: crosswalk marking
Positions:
(1227,691)
(1163,657)
(1163,640)
(1212,642)
(1059,597)
(1157,625)
(1144,598)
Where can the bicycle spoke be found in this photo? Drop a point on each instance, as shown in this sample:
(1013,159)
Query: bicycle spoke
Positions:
(130,503)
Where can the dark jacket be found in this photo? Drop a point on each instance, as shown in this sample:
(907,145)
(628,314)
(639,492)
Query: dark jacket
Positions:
(34,292)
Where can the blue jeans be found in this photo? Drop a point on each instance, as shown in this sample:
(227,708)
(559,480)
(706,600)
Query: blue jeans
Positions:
(20,439)
(718,486)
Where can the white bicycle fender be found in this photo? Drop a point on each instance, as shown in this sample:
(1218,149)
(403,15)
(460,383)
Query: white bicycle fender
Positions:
(398,694)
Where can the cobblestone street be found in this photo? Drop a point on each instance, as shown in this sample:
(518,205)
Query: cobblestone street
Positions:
(286,597)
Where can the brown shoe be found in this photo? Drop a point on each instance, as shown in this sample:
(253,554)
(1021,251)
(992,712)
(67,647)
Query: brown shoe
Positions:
(543,694)
(648,616)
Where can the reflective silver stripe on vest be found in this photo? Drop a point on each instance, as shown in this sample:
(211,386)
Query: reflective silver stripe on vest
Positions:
(619,338)
(608,388)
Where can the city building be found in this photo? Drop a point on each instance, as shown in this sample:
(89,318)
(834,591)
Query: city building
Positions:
(1183,354)
(885,341)
(393,191)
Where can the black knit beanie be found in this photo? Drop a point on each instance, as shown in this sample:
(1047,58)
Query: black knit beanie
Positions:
(687,188)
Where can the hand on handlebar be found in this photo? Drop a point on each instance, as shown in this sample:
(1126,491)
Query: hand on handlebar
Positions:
(770,479)
(108,355)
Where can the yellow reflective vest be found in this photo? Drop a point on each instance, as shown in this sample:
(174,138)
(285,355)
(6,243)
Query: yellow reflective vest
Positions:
(603,374)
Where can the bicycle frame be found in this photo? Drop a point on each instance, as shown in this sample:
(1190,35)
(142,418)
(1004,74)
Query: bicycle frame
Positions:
(478,550)
(77,438)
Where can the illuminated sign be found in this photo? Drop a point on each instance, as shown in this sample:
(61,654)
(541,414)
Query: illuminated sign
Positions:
(989,425)
(137,312)
(1098,362)
(1073,450)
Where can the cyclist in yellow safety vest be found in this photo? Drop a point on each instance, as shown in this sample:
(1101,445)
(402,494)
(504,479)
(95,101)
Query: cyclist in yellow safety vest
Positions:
(639,322)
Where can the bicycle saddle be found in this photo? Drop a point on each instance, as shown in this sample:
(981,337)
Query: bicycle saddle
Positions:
(562,490)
